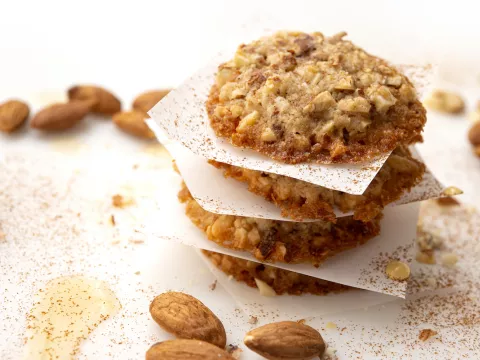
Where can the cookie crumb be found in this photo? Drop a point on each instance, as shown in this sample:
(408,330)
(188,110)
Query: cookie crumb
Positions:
(121,201)
(301,321)
(446,102)
(449,259)
(425,257)
(111,220)
(397,270)
(330,325)
(426,334)
(253,320)
(452,191)
(136,241)
(432,282)
(213,285)
(137,272)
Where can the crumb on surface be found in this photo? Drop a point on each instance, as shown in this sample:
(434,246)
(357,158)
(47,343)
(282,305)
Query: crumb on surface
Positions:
(397,270)
(426,334)
(136,241)
(253,320)
(330,325)
(121,201)
(213,285)
(449,259)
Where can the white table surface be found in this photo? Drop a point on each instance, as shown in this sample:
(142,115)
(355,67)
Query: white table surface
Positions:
(129,47)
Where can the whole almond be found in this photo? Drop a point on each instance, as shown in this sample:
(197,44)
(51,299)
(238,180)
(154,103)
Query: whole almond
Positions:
(13,114)
(187,318)
(285,340)
(474,134)
(149,99)
(133,122)
(186,350)
(103,101)
(58,117)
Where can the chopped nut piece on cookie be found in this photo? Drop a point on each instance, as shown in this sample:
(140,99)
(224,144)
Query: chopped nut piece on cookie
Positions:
(397,270)
(264,289)
(445,101)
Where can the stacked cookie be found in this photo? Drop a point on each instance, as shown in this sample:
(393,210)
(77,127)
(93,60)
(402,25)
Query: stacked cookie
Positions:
(305,98)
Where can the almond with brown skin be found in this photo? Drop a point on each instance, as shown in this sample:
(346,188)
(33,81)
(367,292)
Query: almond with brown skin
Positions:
(103,101)
(474,134)
(59,117)
(13,114)
(149,99)
(187,318)
(133,122)
(186,350)
(285,340)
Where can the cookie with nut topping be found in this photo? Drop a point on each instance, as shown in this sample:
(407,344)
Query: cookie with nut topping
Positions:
(299,97)
(272,279)
(280,241)
(300,200)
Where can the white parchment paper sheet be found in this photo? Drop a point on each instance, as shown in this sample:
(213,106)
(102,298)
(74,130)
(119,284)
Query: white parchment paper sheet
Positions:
(221,195)
(362,267)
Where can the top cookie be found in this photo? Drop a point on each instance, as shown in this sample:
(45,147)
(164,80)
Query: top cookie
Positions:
(300,97)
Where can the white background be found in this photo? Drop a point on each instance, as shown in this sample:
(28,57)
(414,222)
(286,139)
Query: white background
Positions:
(129,47)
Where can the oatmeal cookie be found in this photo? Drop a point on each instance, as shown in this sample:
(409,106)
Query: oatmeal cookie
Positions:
(300,97)
(280,241)
(300,200)
(280,280)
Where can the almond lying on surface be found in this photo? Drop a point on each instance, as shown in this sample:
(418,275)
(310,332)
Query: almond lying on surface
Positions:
(133,122)
(285,340)
(59,117)
(186,350)
(103,101)
(13,114)
(187,318)
(147,100)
